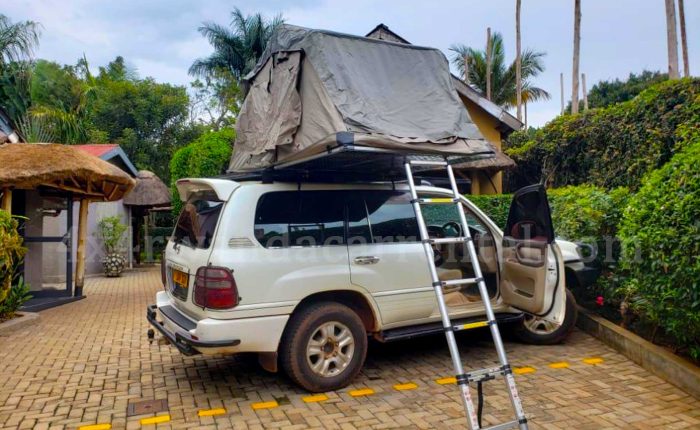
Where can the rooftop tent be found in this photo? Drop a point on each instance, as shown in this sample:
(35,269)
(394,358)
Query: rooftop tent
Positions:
(316,91)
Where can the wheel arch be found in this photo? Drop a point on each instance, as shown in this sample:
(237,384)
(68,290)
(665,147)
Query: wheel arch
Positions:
(358,302)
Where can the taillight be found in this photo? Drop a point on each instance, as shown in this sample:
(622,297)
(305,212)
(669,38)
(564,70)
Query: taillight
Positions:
(215,288)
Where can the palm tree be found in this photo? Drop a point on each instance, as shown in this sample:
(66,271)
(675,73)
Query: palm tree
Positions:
(672,39)
(503,82)
(518,64)
(238,48)
(17,40)
(684,38)
(577,53)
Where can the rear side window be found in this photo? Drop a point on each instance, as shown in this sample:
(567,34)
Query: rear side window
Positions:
(197,221)
(387,216)
(300,218)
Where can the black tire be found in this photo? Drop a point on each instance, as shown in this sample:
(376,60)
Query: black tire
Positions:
(307,323)
(524,334)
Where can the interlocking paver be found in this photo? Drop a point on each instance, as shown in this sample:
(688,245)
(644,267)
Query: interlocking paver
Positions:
(86,361)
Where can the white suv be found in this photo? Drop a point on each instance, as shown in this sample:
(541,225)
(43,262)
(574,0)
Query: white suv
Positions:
(302,274)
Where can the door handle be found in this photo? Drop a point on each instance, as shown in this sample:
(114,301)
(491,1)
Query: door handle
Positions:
(365,260)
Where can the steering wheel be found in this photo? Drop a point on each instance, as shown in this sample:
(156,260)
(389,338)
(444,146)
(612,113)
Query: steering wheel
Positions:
(453,225)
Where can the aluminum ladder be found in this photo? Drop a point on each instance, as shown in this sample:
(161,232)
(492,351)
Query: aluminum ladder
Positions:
(478,376)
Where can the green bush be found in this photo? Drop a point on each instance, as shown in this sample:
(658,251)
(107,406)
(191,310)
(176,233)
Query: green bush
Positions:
(16,297)
(11,252)
(111,230)
(579,213)
(207,156)
(660,232)
(496,206)
(608,147)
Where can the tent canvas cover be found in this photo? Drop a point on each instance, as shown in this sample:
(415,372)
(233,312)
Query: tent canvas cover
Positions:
(311,87)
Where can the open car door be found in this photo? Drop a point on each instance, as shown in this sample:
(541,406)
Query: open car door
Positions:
(528,240)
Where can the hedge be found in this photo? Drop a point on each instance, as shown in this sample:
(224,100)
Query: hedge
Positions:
(207,156)
(579,213)
(660,232)
(608,147)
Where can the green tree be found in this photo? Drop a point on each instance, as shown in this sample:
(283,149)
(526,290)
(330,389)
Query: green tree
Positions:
(17,40)
(216,100)
(238,48)
(147,119)
(503,76)
(605,93)
(206,156)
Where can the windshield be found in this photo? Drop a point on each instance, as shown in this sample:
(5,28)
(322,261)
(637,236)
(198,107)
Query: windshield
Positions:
(197,221)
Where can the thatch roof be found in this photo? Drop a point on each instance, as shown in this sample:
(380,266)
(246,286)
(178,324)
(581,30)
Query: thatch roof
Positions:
(500,162)
(149,191)
(61,167)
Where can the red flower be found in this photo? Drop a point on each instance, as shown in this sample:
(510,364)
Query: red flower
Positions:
(599,300)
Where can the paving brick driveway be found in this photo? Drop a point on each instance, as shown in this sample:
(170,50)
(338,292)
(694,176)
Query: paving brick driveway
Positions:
(86,361)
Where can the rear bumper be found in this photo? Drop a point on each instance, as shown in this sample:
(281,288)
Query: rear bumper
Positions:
(184,343)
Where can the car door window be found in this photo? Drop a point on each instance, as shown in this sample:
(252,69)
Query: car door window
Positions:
(300,218)
(388,217)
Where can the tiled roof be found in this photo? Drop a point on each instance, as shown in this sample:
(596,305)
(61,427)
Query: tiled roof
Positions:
(98,150)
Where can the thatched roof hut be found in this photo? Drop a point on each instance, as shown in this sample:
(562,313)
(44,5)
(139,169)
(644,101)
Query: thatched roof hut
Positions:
(65,169)
(500,162)
(149,191)
(62,167)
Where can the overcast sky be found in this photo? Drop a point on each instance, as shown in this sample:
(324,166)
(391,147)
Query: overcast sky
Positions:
(160,39)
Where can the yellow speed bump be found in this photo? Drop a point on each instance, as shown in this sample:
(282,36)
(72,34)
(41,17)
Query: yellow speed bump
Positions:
(264,405)
(315,399)
(559,365)
(406,386)
(523,370)
(593,360)
(96,427)
(448,380)
(362,392)
(211,412)
(155,420)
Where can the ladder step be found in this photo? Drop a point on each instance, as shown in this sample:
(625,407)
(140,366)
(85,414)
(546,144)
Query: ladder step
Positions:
(444,240)
(436,200)
(487,373)
(470,326)
(466,281)
(427,163)
(504,426)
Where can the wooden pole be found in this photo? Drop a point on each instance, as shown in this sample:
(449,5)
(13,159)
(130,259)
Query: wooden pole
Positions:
(684,38)
(672,39)
(561,84)
(488,63)
(518,64)
(130,238)
(585,93)
(80,257)
(577,52)
(7,200)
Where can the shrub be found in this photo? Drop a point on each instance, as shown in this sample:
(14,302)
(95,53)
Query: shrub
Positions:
(660,232)
(11,252)
(207,156)
(496,206)
(579,213)
(16,297)
(111,231)
(611,146)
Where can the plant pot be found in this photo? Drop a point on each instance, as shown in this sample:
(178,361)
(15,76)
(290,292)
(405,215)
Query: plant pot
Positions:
(113,265)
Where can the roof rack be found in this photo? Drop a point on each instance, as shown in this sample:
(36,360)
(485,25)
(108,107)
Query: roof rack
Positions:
(351,163)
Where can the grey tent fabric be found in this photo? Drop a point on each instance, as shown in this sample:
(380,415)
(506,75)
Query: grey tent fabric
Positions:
(311,84)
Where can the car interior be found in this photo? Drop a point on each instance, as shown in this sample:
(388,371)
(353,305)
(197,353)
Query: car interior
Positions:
(452,260)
